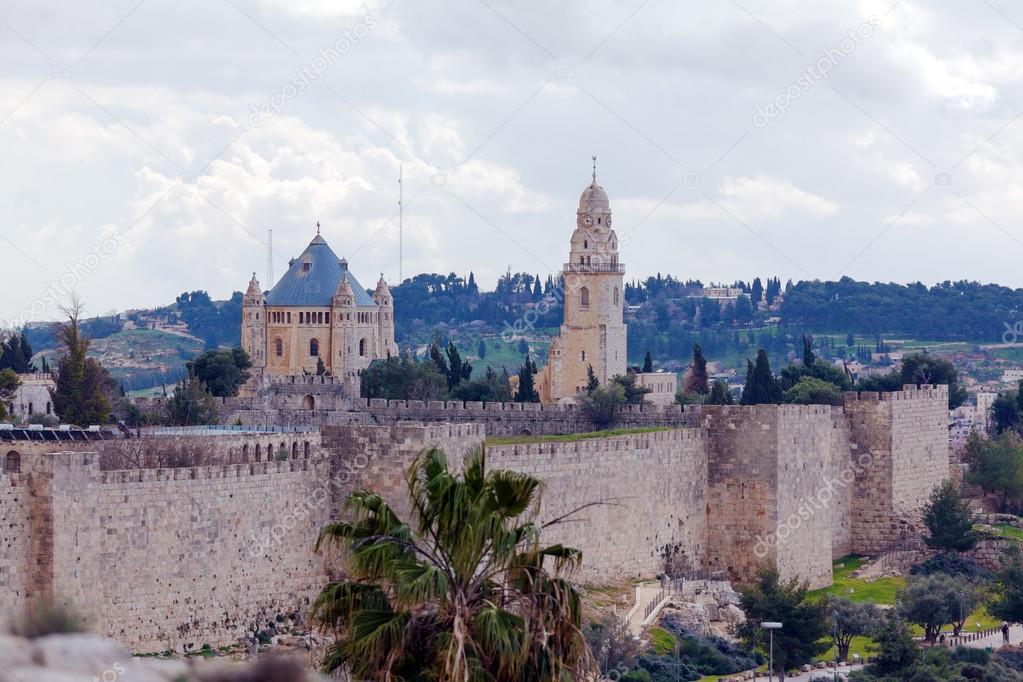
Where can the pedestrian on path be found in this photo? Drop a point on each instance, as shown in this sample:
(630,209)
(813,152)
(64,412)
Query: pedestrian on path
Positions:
(1005,633)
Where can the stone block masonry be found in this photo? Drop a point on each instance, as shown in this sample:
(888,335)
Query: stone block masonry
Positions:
(174,558)
(651,489)
(164,558)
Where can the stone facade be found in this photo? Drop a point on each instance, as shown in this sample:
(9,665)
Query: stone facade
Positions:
(161,558)
(33,396)
(318,312)
(651,489)
(593,334)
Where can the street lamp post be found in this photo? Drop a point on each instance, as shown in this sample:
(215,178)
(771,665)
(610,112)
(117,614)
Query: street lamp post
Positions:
(771,627)
(962,619)
(834,634)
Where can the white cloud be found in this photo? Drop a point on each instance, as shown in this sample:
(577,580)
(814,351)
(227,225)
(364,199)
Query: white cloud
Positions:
(673,91)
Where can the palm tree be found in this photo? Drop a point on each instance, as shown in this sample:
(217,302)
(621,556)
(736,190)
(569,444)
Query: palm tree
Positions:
(466,593)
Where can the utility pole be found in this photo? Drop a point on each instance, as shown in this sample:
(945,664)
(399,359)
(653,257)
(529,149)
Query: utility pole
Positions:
(401,226)
(269,259)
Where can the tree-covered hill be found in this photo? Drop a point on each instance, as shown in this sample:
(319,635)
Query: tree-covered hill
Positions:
(950,310)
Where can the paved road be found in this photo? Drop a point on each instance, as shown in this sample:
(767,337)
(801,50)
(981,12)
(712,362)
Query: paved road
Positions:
(994,641)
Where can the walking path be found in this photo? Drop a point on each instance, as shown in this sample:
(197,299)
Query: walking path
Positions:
(995,641)
(646,596)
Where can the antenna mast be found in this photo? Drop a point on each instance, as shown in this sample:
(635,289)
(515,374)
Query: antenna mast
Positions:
(401,227)
(269,258)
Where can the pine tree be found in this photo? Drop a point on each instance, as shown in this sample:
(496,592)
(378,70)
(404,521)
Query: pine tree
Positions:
(481,349)
(697,381)
(191,404)
(592,383)
(537,291)
(471,286)
(648,363)
(720,395)
(82,387)
(949,520)
(321,369)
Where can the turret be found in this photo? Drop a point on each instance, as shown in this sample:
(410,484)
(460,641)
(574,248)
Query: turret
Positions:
(385,320)
(254,323)
(344,297)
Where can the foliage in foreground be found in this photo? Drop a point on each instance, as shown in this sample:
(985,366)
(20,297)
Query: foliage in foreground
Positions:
(770,599)
(466,591)
(949,519)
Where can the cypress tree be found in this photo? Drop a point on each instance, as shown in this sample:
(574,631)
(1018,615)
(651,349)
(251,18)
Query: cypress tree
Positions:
(697,382)
(808,356)
(527,389)
(761,386)
(648,363)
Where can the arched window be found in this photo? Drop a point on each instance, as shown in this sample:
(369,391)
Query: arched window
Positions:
(314,348)
(305,448)
(294,450)
(259,453)
(308,403)
(363,347)
(31,409)
(49,407)
(12,463)
(279,347)
(245,452)
(270,452)
(584,297)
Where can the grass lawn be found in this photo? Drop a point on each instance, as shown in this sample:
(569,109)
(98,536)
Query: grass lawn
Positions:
(569,438)
(1010,531)
(881,591)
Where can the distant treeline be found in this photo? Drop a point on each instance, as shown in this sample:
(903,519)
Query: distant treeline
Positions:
(948,311)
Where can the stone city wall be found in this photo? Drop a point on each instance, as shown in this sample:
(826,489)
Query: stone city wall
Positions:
(15,534)
(177,558)
(767,467)
(903,436)
(500,419)
(167,557)
(650,490)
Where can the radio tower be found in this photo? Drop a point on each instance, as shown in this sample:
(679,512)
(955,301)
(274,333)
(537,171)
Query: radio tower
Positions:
(269,258)
(401,227)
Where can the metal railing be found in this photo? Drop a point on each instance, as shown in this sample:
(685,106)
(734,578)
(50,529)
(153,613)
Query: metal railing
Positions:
(651,605)
(594,267)
(222,430)
(895,555)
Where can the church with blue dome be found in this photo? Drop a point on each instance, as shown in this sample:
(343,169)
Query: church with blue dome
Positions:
(318,313)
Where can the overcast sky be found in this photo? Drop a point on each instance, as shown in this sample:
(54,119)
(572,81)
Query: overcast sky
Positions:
(148,146)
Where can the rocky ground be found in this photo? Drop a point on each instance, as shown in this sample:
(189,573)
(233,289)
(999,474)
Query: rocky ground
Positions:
(87,658)
(706,607)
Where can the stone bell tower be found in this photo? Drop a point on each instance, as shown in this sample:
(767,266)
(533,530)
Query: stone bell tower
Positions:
(593,333)
(254,324)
